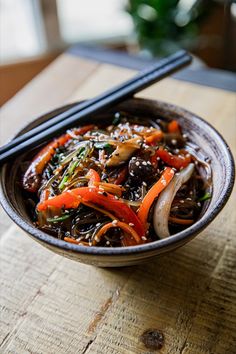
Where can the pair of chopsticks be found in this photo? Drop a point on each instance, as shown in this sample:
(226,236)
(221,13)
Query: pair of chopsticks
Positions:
(73,116)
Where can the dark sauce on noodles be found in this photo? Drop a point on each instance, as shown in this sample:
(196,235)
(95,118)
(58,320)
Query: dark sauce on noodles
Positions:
(126,183)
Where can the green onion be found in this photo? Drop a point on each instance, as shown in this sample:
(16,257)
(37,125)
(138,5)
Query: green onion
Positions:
(72,166)
(80,147)
(102,145)
(116,120)
(68,173)
(205,197)
(60,218)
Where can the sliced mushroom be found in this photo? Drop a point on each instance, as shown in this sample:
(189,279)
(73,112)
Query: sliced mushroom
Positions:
(124,151)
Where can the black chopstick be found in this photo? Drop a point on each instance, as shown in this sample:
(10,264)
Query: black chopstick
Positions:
(75,115)
(79,107)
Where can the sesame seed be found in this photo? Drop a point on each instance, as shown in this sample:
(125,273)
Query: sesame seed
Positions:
(144,163)
(173,141)
(144,238)
(114,222)
(108,243)
(100,193)
(181,201)
(137,163)
(131,224)
(98,224)
(144,183)
(96,239)
(163,181)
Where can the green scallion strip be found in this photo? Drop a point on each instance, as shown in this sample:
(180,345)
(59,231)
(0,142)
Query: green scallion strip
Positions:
(72,166)
(60,218)
(68,173)
(205,197)
(102,145)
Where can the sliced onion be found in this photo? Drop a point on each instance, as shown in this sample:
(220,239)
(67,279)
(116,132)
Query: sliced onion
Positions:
(163,205)
(206,168)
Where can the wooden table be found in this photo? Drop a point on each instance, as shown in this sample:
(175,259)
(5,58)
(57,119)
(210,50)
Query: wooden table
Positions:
(53,305)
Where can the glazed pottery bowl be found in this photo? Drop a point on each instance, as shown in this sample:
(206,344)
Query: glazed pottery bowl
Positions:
(199,131)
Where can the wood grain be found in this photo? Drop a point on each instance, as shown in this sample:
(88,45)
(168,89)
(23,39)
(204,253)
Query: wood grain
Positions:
(53,305)
(48,90)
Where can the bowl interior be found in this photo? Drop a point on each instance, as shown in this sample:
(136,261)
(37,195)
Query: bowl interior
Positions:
(198,131)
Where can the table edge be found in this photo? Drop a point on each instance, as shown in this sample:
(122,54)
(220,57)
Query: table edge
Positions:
(203,76)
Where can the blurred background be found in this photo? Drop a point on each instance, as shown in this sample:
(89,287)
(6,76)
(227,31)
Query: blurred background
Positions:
(35,32)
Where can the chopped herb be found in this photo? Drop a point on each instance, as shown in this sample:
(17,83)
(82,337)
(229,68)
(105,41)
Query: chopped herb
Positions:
(60,218)
(205,197)
(71,168)
(102,145)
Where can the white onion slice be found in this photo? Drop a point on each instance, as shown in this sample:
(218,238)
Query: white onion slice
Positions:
(163,205)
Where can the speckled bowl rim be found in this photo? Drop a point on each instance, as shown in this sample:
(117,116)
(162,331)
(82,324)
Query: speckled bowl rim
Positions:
(181,237)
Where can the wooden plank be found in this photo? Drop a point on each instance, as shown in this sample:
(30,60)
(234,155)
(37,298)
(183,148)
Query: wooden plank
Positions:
(14,76)
(49,306)
(53,305)
(48,90)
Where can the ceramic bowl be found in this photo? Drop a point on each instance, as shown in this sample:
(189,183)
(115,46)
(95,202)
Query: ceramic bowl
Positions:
(198,130)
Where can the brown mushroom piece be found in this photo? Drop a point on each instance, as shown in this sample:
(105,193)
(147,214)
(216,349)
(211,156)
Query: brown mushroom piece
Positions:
(123,152)
(140,169)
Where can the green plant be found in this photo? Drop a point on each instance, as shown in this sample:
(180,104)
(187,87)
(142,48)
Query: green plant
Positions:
(163,26)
